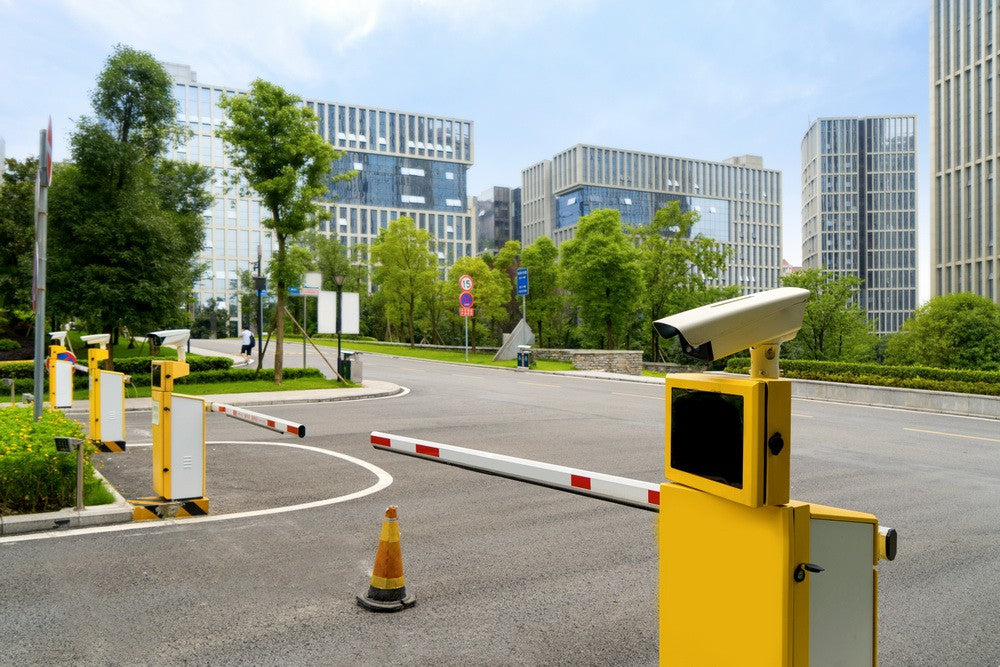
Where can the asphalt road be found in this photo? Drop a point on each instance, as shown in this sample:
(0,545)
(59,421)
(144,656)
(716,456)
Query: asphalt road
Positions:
(503,572)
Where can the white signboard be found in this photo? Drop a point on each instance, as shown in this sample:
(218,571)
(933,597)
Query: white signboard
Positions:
(112,406)
(350,313)
(187,447)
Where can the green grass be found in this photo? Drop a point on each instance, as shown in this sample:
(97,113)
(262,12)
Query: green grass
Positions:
(457,356)
(208,388)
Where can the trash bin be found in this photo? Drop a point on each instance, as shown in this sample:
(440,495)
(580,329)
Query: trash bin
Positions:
(523,357)
(351,366)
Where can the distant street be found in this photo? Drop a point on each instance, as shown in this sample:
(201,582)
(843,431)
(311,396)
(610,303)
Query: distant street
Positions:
(503,572)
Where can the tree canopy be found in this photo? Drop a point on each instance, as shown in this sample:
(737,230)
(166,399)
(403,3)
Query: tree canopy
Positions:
(679,272)
(124,223)
(404,270)
(954,331)
(603,275)
(271,139)
(17,242)
(834,328)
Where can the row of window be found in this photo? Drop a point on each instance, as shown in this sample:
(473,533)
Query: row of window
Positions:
(393,132)
(644,171)
(963,32)
(978,277)
(965,103)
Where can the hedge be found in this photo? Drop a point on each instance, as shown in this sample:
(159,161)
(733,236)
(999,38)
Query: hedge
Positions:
(33,476)
(203,370)
(909,377)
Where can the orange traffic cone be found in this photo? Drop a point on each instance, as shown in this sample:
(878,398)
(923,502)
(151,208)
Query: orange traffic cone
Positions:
(387,591)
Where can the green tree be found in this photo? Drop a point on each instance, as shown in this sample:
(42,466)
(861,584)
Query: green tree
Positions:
(679,272)
(405,270)
(959,330)
(508,260)
(125,224)
(603,275)
(834,328)
(546,303)
(17,246)
(271,139)
(491,292)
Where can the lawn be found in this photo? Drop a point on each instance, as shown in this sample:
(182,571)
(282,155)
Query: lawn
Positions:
(456,356)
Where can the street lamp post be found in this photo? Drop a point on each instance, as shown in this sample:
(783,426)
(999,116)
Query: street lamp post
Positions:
(339,279)
(260,284)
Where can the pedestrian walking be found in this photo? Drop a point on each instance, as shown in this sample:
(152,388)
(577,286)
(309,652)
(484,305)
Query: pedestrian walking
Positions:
(247,348)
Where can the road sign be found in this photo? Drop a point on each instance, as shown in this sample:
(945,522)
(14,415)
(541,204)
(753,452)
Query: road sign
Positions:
(45,160)
(466,312)
(466,283)
(522,282)
(465,298)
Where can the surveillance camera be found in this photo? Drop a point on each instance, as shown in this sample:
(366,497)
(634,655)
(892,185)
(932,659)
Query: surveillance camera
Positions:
(720,329)
(175,338)
(58,337)
(171,337)
(97,339)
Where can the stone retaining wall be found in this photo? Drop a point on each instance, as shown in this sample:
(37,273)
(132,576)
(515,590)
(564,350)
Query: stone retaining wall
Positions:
(628,362)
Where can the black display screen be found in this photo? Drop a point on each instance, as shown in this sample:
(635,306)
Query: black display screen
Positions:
(706,435)
(156,373)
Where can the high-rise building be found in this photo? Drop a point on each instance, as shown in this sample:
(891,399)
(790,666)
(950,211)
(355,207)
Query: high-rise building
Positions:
(495,210)
(965,154)
(859,209)
(408,164)
(738,201)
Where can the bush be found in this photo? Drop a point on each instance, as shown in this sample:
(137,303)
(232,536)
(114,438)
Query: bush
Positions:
(909,377)
(34,477)
(6,345)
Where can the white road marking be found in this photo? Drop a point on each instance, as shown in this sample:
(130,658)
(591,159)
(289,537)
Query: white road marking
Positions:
(384,480)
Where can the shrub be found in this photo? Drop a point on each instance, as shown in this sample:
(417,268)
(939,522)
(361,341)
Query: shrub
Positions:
(6,345)
(34,477)
(910,377)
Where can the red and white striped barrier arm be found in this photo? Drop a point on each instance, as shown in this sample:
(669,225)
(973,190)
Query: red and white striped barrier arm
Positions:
(274,423)
(636,493)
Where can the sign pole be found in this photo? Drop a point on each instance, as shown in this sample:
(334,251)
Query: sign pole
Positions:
(41,242)
(466,338)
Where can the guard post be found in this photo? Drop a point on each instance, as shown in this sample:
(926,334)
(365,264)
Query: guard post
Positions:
(106,397)
(60,363)
(178,438)
(748,576)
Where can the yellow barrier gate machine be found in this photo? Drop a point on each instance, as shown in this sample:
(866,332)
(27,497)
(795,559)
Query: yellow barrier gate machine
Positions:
(787,582)
(747,575)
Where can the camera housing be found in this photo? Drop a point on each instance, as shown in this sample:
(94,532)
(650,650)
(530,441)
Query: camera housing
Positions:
(175,338)
(101,340)
(753,321)
(58,337)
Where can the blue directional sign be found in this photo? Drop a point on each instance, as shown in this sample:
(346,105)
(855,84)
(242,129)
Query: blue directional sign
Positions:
(522,282)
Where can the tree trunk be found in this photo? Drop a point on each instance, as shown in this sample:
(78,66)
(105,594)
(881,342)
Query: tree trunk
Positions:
(279,316)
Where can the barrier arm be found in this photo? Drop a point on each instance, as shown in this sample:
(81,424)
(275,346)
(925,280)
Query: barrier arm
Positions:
(621,490)
(274,423)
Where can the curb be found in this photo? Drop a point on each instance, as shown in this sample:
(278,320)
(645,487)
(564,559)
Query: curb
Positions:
(68,518)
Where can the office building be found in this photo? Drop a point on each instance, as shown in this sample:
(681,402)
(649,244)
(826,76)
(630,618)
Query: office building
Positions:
(859,209)
(738,201)
(965,154)
(497,217)
(408,164)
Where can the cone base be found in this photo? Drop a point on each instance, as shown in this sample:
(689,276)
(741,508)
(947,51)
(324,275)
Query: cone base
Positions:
(387,605)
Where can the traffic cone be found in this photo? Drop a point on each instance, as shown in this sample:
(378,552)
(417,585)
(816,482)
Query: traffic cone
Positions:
(387,591)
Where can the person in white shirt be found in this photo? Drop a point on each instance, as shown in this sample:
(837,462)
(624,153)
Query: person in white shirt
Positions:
(247,348)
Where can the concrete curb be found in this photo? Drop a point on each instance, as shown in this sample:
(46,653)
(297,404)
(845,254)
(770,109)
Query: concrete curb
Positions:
(67,518)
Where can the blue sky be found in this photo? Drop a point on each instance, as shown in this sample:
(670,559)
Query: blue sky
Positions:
(707,79)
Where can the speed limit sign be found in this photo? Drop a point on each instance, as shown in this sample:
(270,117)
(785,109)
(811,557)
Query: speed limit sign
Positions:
(465,282)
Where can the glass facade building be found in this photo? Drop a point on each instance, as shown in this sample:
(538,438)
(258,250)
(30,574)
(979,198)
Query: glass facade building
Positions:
(407,164)
(496,217)
(859,209)
(738,201)
(965,148)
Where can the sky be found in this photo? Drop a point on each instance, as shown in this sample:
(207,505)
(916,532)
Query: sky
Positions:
(704,79)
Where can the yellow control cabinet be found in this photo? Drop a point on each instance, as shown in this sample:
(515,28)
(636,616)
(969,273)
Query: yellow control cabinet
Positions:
(178,435)
(748,576)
